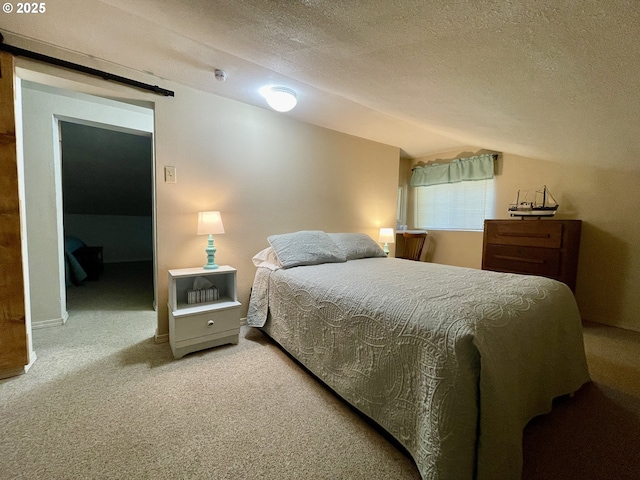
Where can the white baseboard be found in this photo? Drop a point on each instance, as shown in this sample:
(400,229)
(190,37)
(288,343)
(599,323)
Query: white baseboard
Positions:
(32,359)
(164,338)
(53,322)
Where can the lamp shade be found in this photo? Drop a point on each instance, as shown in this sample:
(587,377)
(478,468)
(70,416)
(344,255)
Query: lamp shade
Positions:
(387,235)
(209,223)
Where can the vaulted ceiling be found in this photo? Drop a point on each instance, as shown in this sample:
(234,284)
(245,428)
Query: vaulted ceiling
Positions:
(547,79)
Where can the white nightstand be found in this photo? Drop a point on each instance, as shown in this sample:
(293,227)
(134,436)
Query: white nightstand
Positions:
(209,322)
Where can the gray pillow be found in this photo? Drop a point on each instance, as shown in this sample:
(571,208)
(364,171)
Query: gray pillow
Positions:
(357,245)
(307,247)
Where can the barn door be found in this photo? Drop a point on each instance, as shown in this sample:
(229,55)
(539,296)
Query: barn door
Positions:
(14,353)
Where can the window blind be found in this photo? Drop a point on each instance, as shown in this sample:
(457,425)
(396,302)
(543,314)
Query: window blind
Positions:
(455,206)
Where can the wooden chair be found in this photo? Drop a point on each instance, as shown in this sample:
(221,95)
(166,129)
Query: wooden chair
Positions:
(413,243)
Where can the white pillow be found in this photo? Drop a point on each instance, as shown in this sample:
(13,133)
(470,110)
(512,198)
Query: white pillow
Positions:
(266,258)
(357,245)
(307,247)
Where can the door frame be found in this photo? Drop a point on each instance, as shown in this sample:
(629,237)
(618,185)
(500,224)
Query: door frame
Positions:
(73,89)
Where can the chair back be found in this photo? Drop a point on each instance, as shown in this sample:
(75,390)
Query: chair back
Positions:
(413,243)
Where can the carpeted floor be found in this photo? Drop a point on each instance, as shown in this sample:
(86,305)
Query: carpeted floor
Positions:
(596,434)
(103,401)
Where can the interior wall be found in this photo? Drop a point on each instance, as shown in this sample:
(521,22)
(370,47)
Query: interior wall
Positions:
(265,172)
(608,203)
(41,108)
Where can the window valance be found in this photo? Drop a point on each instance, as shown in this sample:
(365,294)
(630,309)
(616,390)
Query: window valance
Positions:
(479,167)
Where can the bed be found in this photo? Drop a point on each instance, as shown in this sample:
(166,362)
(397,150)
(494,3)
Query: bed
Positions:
(452,362)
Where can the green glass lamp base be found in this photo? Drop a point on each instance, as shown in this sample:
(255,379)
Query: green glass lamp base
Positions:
(211,254)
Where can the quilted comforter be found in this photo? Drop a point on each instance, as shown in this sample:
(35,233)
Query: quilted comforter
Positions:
(453,362)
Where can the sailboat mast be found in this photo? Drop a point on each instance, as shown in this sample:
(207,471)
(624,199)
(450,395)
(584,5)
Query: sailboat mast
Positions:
(544,196)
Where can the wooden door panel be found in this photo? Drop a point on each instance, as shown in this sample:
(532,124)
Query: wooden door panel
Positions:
(14,354)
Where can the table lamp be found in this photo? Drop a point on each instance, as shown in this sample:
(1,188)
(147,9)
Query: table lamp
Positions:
(386,236)
(210,223)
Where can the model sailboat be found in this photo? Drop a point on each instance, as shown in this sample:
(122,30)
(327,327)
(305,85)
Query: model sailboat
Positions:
(541,205)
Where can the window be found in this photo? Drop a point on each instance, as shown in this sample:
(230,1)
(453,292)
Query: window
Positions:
(401,208)
(454,206)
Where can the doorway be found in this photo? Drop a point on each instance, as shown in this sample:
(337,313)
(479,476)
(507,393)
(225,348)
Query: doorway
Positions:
(47,112)
(107,190)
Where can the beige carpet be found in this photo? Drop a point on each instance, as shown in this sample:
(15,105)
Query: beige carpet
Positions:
(596,434)
(104,402)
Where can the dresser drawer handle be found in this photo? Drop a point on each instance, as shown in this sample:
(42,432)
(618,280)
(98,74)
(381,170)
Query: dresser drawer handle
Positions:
(519,259)
(524,234)
(210,323)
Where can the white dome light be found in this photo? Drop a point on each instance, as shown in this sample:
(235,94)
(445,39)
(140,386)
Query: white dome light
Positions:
(281,99)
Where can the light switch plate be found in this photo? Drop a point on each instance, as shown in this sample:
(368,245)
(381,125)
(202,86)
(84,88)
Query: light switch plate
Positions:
(170,174)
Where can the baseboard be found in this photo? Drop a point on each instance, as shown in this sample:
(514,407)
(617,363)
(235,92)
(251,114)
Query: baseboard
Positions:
(164,338)
(243,321)
(53,322)
(32,359)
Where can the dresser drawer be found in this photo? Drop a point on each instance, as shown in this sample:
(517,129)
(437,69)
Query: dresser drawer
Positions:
(536,247)
(528,260)
(534,233)
(205,324)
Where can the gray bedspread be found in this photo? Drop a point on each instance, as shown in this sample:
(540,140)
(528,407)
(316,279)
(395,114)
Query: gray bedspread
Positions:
(453,362)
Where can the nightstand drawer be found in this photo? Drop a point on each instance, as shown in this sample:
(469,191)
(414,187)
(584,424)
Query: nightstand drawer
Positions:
(534,261)
(206,324)
(525,233)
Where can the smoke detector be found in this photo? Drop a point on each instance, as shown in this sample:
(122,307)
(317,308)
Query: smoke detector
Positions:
(221,76)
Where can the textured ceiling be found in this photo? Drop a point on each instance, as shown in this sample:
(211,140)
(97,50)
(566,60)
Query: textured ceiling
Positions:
(548,79)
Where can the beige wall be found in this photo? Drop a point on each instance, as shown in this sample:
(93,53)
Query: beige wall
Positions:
(607,202)
(267,174)
(264,171)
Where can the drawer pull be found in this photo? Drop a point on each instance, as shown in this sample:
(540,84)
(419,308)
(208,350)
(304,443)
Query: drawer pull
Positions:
(210,323)
(519,259)
(524,234)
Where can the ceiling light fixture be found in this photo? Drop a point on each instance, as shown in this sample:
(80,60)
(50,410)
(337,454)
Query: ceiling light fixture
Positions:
(281,99)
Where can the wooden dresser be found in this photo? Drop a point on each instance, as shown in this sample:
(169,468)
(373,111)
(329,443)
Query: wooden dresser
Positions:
(537,247)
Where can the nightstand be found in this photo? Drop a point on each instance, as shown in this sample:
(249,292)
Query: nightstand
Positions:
(206,317)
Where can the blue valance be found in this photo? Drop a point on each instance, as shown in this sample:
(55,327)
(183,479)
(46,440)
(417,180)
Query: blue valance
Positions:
(479,167)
